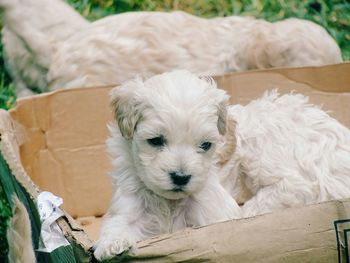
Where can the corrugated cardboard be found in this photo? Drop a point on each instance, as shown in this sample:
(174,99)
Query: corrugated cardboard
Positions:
(303,234)
(63,151)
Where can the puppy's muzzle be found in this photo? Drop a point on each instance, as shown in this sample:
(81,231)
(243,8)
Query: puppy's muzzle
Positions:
(179,179)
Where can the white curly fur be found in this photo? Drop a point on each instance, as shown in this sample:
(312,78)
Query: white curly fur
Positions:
(186,111)
(288,152)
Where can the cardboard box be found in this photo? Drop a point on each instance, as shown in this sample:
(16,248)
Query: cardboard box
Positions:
(61,139)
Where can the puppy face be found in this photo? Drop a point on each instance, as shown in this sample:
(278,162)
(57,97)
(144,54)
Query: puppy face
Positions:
(173,122)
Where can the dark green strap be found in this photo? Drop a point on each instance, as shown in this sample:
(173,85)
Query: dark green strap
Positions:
(10,186)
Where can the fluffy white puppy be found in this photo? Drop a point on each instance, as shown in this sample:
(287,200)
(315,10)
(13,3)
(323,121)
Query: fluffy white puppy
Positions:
(288,152)
(48,45)
(164,174)
(116,48)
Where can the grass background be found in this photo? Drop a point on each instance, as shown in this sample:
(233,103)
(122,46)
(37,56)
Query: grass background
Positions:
(334,15)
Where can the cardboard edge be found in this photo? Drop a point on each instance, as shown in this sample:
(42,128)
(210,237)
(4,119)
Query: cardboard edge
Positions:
(22,100)
(158,248)
(9,148)
(292,73)
(76,235)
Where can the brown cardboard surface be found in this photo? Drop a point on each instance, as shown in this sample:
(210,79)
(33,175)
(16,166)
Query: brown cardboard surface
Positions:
(328,86)
(300,234)
(65,148)
(91,225)
(65,131)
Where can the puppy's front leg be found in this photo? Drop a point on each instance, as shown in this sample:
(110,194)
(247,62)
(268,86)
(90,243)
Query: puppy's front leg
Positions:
(120,230)
(282,194)
(261,203)
(213,204)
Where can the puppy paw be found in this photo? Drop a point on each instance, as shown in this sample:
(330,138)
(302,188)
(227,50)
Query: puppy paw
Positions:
(107,249)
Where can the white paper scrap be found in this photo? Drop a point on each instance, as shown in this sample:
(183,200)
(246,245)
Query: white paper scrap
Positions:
(49,211)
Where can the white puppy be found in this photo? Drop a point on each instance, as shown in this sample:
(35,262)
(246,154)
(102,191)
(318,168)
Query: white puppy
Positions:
(48,45)
(288,153)
(164,173)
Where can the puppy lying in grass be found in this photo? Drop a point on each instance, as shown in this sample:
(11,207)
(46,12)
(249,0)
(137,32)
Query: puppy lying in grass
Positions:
(48,45)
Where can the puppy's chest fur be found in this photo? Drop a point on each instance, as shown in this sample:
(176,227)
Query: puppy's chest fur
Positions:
(164,216)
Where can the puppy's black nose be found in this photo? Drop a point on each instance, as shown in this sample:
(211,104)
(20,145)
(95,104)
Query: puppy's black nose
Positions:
(179,179)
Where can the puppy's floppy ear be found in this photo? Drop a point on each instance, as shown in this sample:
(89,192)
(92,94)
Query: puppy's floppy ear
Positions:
(127,107)
(222,103)
(208,80)
(222,116)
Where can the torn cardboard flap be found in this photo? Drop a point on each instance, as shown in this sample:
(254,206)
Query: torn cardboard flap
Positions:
(299,234)
(10,137)
(7,126)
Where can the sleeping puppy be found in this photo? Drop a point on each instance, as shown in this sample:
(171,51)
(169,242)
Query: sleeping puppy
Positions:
(162,147)
(287,152)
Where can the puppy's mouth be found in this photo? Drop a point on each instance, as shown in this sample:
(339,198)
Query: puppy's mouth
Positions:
(177,190)
(175,193)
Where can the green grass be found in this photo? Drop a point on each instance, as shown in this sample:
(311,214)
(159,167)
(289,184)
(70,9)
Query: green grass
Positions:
(5,213)
(334,15)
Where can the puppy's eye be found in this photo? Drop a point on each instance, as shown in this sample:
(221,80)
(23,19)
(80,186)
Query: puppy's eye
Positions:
(205,146)
(156,141)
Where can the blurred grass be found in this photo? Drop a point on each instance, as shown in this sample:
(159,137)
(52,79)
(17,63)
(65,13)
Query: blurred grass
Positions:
(5,213)
(334,15)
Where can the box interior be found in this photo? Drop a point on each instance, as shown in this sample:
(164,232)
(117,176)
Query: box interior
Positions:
(63,133)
